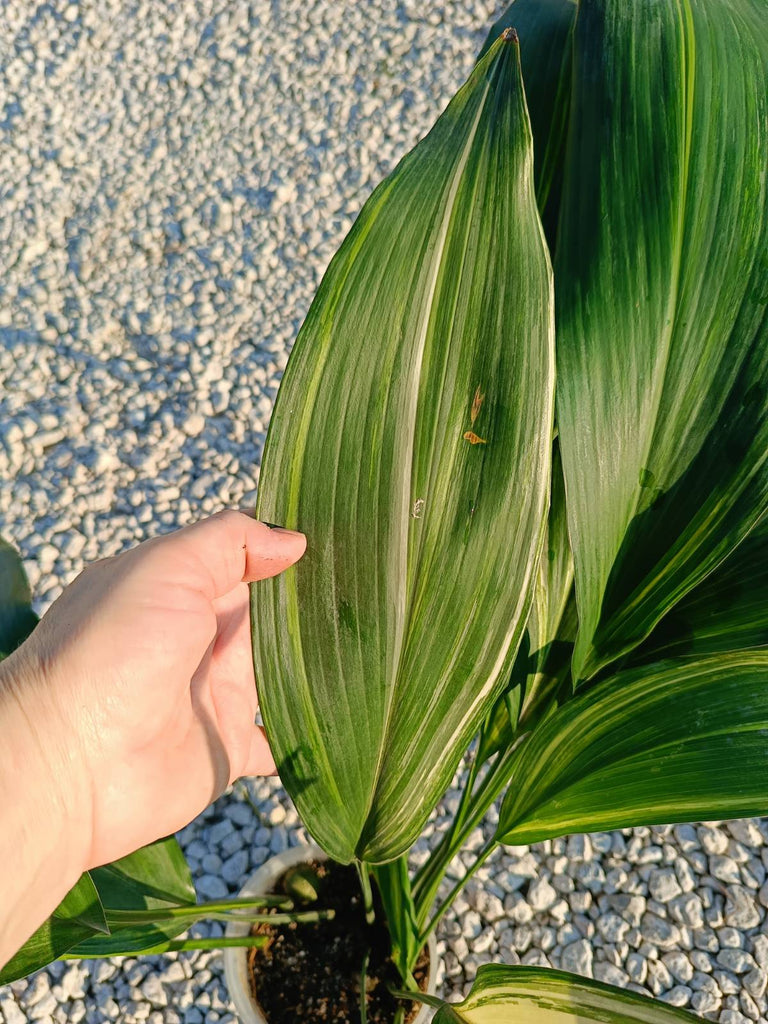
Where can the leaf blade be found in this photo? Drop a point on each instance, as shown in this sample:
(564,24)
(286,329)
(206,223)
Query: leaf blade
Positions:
(728,611)
(662,325)
(506,995)
(683,740)
(405,522)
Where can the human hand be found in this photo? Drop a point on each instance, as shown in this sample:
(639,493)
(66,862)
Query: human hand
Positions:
(138,686)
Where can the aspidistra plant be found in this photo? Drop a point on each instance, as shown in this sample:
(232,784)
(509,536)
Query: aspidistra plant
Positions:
(584,596)
(566,590)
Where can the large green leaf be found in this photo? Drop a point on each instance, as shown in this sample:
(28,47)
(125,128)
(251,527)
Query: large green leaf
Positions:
(544,28)
(17,620)
(662,284)
(411,443)
(728,611)
(79,916)
(683,740)
(532,995)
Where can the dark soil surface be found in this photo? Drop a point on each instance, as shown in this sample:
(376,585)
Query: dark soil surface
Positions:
(310,973)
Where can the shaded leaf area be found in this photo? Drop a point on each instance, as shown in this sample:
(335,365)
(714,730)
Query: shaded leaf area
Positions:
(541,673)
(662,286)
(379,654)
(532,995)
(92,919)
(728,611)
(17,620)
(682,740)
(544,28)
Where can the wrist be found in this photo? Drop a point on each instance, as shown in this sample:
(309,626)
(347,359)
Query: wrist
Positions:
(45,838)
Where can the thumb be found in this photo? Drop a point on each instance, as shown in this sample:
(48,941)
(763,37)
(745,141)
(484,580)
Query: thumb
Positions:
(214,555)
(259,760)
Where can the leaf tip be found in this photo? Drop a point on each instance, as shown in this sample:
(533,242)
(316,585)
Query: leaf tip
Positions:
(509,35)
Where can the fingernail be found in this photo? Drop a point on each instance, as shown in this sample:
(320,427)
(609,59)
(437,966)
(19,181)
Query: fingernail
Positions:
(281,529)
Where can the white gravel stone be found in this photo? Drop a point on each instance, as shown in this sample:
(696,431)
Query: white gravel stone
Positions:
(712,839)
(679,966)
(235,867)
(725,869)
(153,991)
(663,885)
(679,995)
(741,910)
(211,887)
(541,895)
(577,957)
(736,960)
(659,932)
(610,974)
(12,1012)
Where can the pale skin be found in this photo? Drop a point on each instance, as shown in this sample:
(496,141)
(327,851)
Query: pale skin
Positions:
(130,708)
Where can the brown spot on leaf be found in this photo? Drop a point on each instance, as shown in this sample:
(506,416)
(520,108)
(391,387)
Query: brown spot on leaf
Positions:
(477,404)
(473,438)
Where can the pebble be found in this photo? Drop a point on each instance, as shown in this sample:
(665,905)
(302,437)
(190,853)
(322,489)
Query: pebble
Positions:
(211,887)
(11,1011)
(578,957)
(152,990)
(235,867)
(659,932)
(725,869)
(736,960)
(680,995)
(541,895)
(741,911)
(664,885)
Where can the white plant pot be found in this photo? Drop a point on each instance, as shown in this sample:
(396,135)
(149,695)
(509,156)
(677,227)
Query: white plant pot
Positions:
(236,959)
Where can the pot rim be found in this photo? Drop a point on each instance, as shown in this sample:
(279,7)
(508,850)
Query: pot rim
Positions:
(236,958)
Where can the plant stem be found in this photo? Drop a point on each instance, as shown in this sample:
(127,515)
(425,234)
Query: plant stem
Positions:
(466,796)
(198,910)
(419,996)
(130,918)
(365,885)
(481,859)
(430,876)
(254,807)
(177,946)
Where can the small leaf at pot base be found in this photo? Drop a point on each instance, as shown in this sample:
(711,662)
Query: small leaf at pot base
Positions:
(531,995)
(301,883)
(411,442)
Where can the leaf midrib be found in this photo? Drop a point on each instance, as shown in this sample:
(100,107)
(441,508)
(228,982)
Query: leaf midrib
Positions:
(401,571)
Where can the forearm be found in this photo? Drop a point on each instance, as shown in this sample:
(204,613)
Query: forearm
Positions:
(43,818)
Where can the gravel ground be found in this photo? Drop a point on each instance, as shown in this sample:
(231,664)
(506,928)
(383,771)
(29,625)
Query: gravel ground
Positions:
(174,178)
